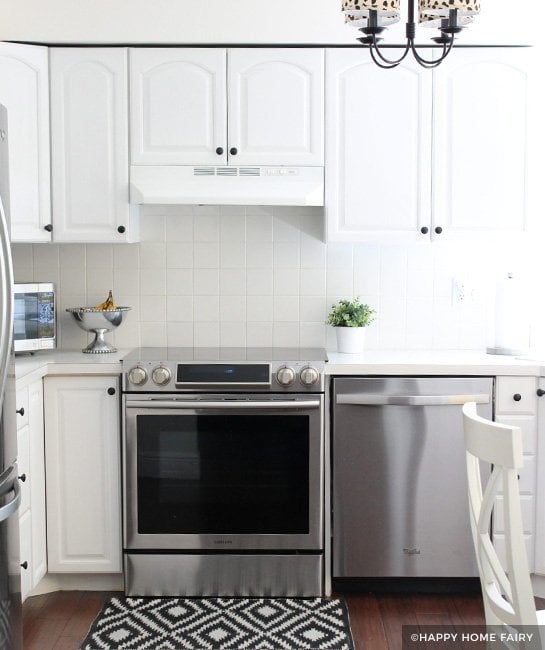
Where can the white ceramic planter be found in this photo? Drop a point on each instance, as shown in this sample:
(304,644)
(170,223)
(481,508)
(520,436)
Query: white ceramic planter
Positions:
(350,339)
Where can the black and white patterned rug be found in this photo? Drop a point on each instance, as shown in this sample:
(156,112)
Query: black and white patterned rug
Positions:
(220,624)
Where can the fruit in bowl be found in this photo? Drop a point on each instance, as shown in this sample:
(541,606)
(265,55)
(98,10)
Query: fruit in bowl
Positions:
(100,319)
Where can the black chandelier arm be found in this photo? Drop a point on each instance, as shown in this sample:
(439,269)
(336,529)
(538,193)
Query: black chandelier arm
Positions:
(426,63)
(384,62)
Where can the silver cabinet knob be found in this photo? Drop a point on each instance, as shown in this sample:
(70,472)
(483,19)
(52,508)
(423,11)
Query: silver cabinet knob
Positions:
(138,376)
(309,376)
(285,376)
(161,375)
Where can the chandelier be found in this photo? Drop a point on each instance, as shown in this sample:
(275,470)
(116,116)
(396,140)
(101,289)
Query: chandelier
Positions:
(373,16)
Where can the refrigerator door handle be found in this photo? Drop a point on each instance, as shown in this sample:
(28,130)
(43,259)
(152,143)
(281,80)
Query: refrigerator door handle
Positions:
(6,300)
(11,507)
(365,399)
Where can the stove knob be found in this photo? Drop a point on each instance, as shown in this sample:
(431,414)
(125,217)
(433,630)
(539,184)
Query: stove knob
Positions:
(285,376)
(138,376)
(309,376)
(161,375)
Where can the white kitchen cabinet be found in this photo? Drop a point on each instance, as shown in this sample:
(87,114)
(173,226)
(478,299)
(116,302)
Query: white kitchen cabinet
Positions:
(83,474)
(421,154)
(516,405)
(89,145)
(378,148)
(215,106)
(24,91)
(30,446)
(540,482)
(483,102)
(178,106)
(276,106)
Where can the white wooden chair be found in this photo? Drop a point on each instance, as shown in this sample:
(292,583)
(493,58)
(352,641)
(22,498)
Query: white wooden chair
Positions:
(508,597)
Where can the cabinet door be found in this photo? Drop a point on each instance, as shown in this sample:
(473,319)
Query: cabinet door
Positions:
(37,481)
(25,535)
(89,144)
(540,486)
(481,144)
(83,474)
(378,149)
(276,106)
(24,91)
(178,106)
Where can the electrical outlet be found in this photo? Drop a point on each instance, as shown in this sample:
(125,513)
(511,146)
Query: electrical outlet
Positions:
(463,291)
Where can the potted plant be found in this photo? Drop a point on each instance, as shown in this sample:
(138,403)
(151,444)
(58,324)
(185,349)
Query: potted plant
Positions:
(350,318)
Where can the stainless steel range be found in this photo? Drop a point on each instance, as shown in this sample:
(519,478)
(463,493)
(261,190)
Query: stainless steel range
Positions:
(223,472)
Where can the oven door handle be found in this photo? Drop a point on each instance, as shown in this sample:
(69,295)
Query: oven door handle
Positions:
(221,405)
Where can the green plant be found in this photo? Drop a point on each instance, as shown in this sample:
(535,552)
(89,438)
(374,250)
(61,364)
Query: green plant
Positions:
(350,313)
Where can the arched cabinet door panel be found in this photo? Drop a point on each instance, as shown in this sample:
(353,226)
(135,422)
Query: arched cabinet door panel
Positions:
(89,140)
(276,106)
(178,106)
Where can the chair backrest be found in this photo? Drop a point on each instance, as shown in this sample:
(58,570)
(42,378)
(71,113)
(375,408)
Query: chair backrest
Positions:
(507,594)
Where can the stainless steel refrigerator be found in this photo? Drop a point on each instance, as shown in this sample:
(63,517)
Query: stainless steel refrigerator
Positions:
(10,495)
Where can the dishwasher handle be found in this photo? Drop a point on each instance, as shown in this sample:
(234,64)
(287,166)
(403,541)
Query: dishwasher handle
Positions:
(367,399)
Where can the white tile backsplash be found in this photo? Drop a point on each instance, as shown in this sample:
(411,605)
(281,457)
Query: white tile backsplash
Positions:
(262,276)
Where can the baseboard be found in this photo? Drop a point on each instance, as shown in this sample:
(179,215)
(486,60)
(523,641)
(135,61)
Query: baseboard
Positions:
(79,582)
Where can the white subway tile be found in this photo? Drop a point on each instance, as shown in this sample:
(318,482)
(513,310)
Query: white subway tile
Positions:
(259,227)
(286,255)
(126,256)
(72,256)
(179,282)
(152,255)
(180,334)
(340,255)
(206,228)
(286,308)
(152,228)
(286,335)
(233,254)
(179,228)
(100,281)
(233,308)
(179,255)
(180,308)
(392,321)
(153,308)
(233,228)
(312,308)
(23,255)
(313,253)
(393,272)
(286,228)
(153,335)
(419,283)
(232,282)
(206,334)
(367,269)
(259,282)
(153,282)
(259,255)
(312,334)
(340,282)
(259,308)
(313,282)
(206,255)
(232,334)
(73,280)
(419,324)
(206,282)
(46,255)
(286,282)
(259,335)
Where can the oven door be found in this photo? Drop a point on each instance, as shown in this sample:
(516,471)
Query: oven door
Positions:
(223,472)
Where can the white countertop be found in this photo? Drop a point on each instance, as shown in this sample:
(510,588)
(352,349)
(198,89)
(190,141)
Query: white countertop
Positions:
(373,362)
(448,362)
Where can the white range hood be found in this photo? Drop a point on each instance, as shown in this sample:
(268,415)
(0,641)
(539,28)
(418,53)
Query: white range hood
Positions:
(209,185)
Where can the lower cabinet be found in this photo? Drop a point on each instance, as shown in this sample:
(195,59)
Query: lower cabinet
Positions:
(516,405)
(32,527)
(82,420)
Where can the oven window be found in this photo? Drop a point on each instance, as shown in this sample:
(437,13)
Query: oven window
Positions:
(223,474)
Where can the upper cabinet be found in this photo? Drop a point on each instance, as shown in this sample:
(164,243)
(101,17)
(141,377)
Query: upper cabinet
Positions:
(24,90)
(448,153)
(237,106)
(89,144)
(378,165)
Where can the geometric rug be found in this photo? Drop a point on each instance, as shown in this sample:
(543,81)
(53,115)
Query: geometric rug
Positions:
(220,624)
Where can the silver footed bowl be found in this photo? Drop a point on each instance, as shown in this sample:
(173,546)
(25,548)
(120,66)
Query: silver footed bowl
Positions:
(98,321)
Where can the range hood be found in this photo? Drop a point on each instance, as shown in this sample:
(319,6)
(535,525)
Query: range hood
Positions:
(209,185)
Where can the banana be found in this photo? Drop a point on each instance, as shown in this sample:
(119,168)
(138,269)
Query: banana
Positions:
(108,304)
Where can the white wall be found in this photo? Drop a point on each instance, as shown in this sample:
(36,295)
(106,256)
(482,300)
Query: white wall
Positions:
(256,276)
(231,21)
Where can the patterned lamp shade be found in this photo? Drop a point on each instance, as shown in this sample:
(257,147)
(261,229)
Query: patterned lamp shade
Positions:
(361,8)
(442,7)
(361,21)
(435,20)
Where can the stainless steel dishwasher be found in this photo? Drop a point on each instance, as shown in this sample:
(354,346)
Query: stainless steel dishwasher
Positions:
(399,477)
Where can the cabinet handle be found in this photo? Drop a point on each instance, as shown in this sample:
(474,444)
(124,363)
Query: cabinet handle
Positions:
(540,392)
(438,230)
(121,229)
(48,227)
(517,397)
(21,411)
(219,151)
(25,565)
(233,151)
(111,391)
(22,478)
(424,230)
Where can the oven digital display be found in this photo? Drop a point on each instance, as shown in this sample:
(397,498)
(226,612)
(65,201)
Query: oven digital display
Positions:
(223,373)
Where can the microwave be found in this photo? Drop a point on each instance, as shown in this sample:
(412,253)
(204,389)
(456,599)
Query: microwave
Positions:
(34,323)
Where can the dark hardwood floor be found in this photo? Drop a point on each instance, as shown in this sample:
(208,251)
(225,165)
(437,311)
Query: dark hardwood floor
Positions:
(60,620)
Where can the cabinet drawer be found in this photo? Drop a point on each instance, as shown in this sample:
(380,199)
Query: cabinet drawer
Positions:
(21,402)
(528,426)
(508,390)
